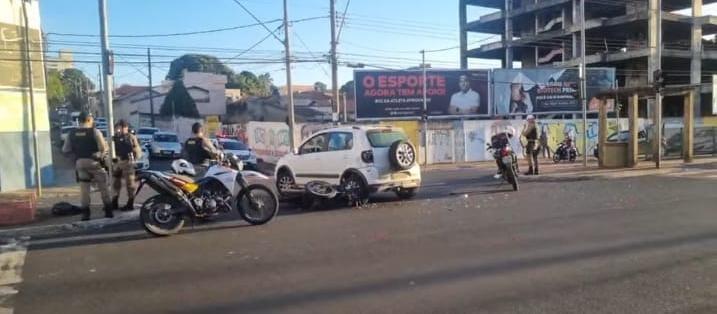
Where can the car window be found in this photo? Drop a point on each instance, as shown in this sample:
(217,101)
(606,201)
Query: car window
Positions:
(165,138)
(341,141)
(384,138)
(316,144)
(233,145)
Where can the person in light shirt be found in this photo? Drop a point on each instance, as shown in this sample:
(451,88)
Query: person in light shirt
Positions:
(465,101)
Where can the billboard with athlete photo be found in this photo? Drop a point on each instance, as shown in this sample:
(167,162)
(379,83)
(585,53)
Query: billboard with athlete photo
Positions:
(399,94)
(523,91)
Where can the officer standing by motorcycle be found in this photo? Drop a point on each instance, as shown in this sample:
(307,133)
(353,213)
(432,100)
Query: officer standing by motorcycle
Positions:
(200,150)
(533,147)
(128,150)
(90,151)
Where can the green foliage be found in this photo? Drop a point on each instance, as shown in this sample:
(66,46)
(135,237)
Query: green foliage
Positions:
(55,89)
(348,88)
(250,84)
(178,102)
(198,63)
(77,87)
(320,87)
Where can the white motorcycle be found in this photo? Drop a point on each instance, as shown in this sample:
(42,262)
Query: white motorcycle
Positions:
(223,188)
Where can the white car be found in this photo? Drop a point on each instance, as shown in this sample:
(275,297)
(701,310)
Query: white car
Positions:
(165,144)
(142,163)
(65,132)
(360,159)
(144,135)
(239,149)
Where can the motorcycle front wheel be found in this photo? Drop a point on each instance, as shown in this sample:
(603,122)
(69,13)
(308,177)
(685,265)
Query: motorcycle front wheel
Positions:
(158,217)
(257,204)
(556,157)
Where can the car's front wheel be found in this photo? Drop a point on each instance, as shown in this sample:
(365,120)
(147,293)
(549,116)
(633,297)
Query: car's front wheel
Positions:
(355,190)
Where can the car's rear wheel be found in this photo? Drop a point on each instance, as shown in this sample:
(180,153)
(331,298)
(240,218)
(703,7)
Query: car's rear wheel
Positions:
(355,190)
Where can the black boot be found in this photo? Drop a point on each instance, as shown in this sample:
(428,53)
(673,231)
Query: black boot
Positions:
(530,172)
(115,203)
(537,172)
(85,214)
(108,211)
(129,206)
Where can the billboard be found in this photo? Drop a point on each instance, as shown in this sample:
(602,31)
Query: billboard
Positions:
(399,94)
(521,91)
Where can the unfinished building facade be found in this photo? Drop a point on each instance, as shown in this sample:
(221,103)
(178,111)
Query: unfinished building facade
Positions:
(619,33)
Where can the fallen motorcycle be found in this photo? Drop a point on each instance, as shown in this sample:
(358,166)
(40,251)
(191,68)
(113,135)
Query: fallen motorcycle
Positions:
(223,189)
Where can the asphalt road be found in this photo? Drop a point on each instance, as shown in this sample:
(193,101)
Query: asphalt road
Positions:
(465,245)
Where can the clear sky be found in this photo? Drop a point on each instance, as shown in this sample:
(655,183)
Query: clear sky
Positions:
(386,33)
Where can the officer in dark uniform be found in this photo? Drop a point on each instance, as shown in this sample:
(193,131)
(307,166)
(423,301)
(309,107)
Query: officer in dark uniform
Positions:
(128,150)
(199,150)
(90,151)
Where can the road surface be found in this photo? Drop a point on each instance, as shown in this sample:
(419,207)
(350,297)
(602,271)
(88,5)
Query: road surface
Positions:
(465,245)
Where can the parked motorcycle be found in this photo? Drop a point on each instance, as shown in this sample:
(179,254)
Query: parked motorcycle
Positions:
(565,151)
(223,189)
(507,161)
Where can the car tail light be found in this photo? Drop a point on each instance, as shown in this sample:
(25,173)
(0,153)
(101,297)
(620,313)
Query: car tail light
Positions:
(367,156)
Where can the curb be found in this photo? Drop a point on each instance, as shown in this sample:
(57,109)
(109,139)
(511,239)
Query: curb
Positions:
(77,226)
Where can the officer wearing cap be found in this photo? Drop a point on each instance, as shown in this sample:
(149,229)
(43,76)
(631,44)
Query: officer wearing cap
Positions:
(90,150)
(199,149)
(128,150)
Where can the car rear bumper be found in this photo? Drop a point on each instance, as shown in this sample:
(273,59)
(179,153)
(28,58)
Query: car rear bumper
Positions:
(407,179)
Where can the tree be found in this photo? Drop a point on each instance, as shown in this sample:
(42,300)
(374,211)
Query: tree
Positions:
(348,88)
(178,102)
(320,87)
(198,63)
(77,87)
(251,84)
(55,89)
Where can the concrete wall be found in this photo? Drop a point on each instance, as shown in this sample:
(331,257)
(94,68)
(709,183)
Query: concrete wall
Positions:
(17,165)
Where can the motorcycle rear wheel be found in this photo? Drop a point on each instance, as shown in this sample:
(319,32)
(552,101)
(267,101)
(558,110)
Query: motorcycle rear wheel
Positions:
(158,218)
(257,204)
(511,177)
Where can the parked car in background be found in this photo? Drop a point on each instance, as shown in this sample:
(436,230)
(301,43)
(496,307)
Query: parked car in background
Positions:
(165,144)
(239,149)
(64,132)
(361,160)
(142,163)
(144,135)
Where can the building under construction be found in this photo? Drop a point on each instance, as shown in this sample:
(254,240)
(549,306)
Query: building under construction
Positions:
(619,33)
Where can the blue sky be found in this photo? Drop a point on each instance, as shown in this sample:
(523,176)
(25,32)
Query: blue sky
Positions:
(387,33)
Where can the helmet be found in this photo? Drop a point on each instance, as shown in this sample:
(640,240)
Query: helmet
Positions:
(181,166)
(510,130)
(530,117)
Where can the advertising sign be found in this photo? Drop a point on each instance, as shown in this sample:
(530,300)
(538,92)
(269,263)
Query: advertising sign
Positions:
(399,94)
(521,91)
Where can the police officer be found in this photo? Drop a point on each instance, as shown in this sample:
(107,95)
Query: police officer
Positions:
(90,150)
(128,150)
(199,150)
(533,146)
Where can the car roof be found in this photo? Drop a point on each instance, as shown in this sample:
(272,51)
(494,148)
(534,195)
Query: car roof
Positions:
(165,133)
(357,127)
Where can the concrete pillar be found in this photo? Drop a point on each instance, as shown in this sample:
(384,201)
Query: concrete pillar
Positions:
(652,62)
(576,17)
(602,132)
(633,126)
(688,131)
(696,64)
(508,35)
(462,16)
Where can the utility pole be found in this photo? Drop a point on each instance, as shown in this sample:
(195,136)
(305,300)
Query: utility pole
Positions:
(583,83)
(346,111)
(31,83)
(334,62)
(424,114)
(99,83)
(658,95)
(151,97)
(289,89)
(107,71)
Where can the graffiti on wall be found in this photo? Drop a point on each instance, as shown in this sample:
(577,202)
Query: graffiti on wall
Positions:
(269,140)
